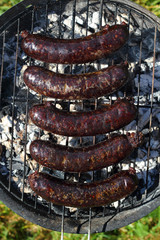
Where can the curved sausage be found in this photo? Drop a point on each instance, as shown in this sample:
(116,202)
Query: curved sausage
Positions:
(83,159)
(78,86)
(81,50)
(100,121)
(95,194)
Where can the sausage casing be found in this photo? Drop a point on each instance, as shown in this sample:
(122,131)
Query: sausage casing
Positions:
(82,159)
(95,194)
(77,86)
(100,121)
(81,50)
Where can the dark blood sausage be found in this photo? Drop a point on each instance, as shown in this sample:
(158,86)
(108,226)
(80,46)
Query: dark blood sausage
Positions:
(80,86)
(82,159)
(95,194)
(81,50)
(100,121)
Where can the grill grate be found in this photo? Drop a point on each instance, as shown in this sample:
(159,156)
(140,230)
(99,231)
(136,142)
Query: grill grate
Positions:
(16,99)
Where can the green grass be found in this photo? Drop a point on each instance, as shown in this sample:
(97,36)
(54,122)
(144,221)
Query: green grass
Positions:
(13,227)
(6,4)
(151,5)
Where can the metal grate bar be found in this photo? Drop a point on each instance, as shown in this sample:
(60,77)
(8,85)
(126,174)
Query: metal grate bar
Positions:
(59,25)
(139,77)
(100,13)
(115,16)
(82,103)
(62,223)
(45,31)
(26,121)
(151,109)
(74,15)
(13,105)
(129,19)
(25,147)
(63,207)
(89,224)
(46,18)
(87,14)
(100,20)
(30,60)
(67,139)
(60,19)
(140,62)
(116,13)
(2,65)
(92,179)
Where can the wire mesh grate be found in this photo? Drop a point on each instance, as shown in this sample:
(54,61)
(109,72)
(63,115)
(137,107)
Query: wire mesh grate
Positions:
(61,23)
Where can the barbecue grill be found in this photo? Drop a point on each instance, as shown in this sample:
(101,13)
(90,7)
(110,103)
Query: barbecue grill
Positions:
(72,19)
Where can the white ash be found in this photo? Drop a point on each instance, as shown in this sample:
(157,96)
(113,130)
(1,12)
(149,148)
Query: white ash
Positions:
(53,17)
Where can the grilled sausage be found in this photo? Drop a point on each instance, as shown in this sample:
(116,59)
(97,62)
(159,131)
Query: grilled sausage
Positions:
(80,86)
(81,50)
(95,194)
(95,157)
(100,121)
